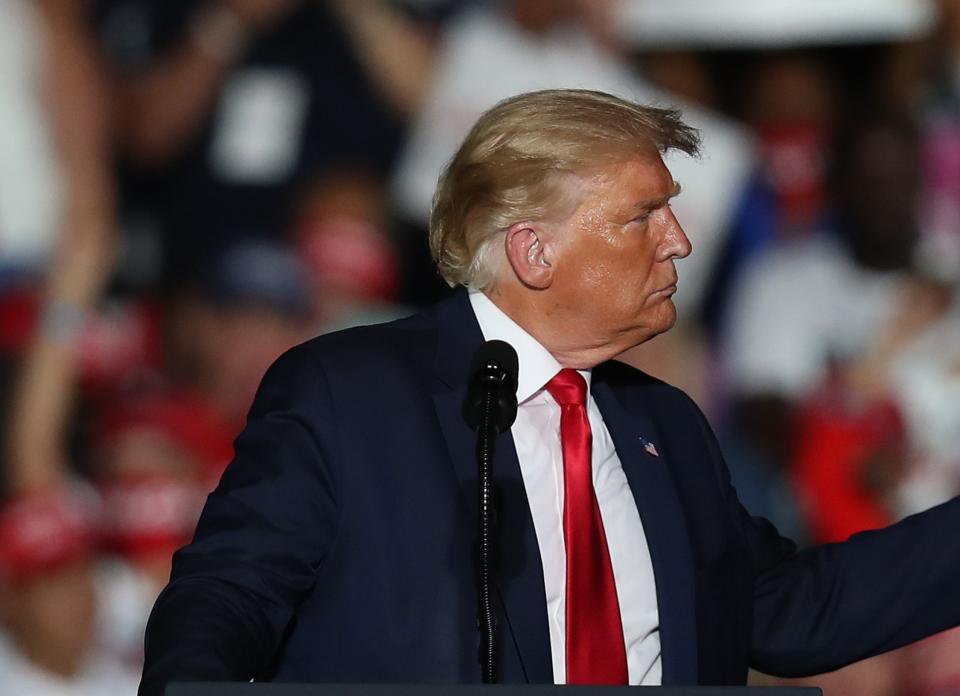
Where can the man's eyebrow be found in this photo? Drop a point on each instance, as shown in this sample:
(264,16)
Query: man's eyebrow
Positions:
(654,203)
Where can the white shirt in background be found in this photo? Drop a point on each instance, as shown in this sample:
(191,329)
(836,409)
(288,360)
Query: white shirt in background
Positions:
(30,183)
(798,307)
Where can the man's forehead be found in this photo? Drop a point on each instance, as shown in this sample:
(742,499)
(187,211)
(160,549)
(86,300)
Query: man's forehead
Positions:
(636,179)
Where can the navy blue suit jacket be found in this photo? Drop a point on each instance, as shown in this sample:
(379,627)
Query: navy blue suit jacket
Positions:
(338,546)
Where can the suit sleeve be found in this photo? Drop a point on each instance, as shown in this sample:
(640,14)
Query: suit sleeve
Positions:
(819,609)
(261,539)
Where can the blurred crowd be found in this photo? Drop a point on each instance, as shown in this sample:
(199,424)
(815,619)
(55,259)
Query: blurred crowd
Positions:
(190,187)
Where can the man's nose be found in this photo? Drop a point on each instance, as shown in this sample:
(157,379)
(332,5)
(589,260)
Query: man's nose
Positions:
(676,244)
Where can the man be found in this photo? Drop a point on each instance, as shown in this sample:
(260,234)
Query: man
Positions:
(338,546)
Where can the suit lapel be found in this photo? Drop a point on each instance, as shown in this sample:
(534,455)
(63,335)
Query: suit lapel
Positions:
(664,526)
(519,573)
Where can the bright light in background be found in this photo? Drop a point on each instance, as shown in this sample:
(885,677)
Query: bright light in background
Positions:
(653,24)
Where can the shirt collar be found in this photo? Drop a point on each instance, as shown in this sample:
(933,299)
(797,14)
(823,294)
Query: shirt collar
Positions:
(537,365)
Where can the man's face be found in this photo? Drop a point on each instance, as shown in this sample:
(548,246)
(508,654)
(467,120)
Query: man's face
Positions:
(613,259)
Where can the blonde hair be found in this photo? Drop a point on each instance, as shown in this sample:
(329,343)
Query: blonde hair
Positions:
(509,168)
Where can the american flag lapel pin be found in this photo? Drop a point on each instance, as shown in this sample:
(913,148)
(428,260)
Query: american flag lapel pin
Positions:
(649,447)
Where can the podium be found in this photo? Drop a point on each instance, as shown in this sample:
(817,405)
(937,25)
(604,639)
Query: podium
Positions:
(245,689)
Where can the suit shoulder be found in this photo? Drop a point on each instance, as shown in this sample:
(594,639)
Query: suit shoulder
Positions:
(368,346)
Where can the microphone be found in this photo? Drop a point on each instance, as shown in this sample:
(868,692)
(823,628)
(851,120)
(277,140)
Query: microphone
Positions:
(494,368)
(489,408)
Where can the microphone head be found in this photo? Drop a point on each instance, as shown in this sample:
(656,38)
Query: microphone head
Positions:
(496,353)
(495,366)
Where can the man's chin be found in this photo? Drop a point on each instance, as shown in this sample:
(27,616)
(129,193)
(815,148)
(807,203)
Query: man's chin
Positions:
(650,332)
(667,320)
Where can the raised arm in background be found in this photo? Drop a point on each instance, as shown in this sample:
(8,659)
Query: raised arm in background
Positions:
(161,108)
(76,98)
(397,53)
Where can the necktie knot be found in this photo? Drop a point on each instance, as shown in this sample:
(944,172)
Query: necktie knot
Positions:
(568,388)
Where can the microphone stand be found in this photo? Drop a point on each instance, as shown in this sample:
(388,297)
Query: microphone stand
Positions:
(489,408)
(486,439)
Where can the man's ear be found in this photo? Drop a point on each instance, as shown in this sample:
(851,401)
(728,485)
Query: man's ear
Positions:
(528,256)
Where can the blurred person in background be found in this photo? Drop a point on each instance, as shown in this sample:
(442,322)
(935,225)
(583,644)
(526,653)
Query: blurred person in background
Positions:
(154,448)
(789,100)
(53,574)
(817,327)
(156,457)
(157,454)
(810,304)
(47,597)
(225,108)
(54,171)
(229,324)
(48,604)
(82,254)
(352,262)
(790,103)
(824,299)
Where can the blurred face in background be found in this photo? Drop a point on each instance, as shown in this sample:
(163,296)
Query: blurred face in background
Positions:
(145,450)
(342,240)
(877,196)
(224,351)
(256,305)
(790,104)
(245,342)
(151,496)
(51,616)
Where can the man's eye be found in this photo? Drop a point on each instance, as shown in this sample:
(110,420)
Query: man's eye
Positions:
(642,219)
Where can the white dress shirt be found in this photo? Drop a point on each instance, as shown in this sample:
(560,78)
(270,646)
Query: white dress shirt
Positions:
(536,436)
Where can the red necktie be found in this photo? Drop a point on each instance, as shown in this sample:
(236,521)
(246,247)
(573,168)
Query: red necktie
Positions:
(595,650)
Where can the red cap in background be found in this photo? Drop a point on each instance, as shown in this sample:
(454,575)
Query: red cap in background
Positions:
(151,505)
(119,343)
(185,419)
(43,531)
(146,513)
(352,256)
